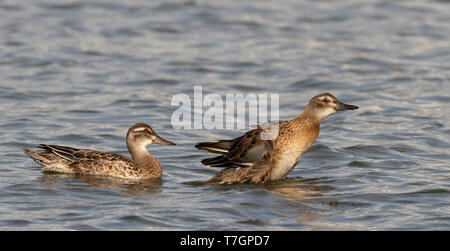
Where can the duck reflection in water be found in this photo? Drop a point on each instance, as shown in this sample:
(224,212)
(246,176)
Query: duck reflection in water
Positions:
(53,180)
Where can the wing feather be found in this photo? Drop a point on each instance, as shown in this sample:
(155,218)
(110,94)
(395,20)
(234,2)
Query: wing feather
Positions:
(243,151)
(64,152)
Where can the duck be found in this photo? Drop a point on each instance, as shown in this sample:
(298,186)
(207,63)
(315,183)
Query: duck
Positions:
(70,160)
(271,150)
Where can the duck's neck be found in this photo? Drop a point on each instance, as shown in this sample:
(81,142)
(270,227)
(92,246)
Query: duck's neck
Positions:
(144,160)
(310,115)
(310,127)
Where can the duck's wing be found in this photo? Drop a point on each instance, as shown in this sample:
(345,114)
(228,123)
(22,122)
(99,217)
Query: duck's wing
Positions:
(85,159)
(64,159)
(221,146)
(243,151)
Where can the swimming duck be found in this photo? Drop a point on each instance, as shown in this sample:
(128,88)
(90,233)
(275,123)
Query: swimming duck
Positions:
(255,158)
(63,159)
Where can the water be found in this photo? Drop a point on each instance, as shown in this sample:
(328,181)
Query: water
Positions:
(79,73)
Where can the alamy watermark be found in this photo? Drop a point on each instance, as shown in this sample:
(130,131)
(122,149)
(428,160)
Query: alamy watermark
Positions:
(229,111)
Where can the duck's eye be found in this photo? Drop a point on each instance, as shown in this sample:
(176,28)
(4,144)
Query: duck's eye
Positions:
(326,100)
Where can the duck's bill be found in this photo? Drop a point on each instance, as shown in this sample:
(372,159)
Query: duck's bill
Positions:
(342,107)
(162,141)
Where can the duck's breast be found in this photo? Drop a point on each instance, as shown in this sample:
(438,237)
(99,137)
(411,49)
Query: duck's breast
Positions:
(290,147)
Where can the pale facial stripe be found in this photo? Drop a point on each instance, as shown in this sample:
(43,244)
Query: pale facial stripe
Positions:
(139,129)
(326,97)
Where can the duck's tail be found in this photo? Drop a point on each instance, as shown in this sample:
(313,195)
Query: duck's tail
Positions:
(38,156)
(49,161)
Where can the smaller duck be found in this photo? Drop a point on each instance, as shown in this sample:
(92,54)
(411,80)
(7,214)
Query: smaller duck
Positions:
(63,159)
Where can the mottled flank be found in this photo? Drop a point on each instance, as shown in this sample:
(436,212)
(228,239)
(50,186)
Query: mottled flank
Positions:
(63,159)
(255,159)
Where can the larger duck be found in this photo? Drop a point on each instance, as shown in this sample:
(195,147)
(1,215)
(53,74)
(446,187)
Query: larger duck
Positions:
(256,158)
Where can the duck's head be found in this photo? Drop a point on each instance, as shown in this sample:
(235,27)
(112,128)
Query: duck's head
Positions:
(325,104)
(141,135)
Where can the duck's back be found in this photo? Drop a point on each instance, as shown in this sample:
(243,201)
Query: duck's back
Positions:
(245,150)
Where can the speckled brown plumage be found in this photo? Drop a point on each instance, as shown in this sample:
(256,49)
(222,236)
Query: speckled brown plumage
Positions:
(63,159)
